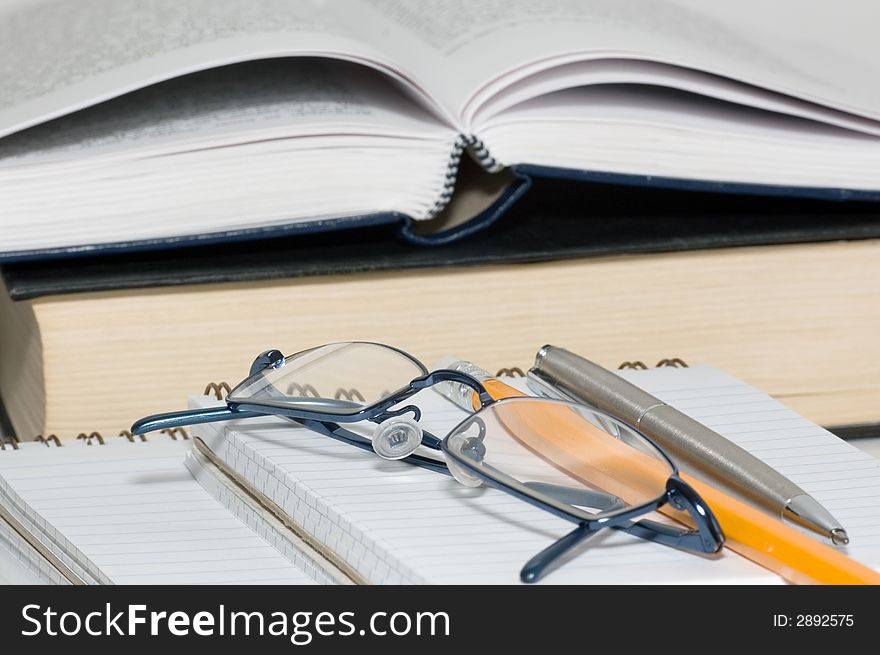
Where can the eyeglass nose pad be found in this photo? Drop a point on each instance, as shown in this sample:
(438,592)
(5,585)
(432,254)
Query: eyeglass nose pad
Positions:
(473,448)
(462,475)
(397,437)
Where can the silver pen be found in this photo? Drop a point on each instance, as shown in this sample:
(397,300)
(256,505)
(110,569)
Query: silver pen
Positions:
(695,448)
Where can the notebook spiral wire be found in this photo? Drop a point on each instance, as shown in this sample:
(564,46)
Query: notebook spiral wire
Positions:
(675,362)
(637,364)
(11,442)
(132,438)
(218,389)
(88,438)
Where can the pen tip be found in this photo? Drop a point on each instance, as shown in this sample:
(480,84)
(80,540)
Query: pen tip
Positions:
(839,537)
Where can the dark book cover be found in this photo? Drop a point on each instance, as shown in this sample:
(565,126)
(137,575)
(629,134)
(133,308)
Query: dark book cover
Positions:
(554,219)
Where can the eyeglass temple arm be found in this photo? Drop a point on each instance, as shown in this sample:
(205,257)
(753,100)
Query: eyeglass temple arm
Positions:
(667,535)
(660,533)
(707,537)
(189,417)
(536,567)
(267,359)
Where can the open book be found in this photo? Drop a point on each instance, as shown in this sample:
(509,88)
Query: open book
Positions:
(129,122)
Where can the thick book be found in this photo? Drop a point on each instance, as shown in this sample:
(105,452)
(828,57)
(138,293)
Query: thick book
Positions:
(548,224)
(797,320)
(263,500)
(124,126)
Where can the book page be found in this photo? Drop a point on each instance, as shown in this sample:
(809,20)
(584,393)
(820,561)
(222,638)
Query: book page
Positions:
(656,131)
(57,56)
(399,523)
(246,102)
(577,75)
(820,52)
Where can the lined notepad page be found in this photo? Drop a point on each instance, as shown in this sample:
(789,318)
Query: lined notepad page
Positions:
(396,523)
(130,513)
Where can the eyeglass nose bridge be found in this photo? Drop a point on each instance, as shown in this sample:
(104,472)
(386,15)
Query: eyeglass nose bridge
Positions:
(385,414)
(455,377)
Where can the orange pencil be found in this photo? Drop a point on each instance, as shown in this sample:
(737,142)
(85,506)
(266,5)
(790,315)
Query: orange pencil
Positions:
(748,531)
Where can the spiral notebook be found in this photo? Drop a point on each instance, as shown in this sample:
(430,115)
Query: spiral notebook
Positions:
(103,511)
(389,522)
(271,502)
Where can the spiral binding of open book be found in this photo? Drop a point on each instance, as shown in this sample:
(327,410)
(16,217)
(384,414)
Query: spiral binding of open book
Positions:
(452,166)
(480,153)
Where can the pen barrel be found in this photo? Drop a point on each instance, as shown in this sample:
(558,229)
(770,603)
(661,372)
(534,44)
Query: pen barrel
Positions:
(592,384)
(694,448)
(707,455)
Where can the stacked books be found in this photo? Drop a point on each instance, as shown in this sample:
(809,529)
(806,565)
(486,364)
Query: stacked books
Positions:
(637,182)
(80,354)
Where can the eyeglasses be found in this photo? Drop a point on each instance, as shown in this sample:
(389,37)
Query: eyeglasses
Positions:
(575,462)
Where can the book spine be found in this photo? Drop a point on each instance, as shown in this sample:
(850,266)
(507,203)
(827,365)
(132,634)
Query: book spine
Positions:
(481,154)
(452,166)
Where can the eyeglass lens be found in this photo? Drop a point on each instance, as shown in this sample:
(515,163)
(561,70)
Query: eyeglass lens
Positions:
(335,378)
(565,451)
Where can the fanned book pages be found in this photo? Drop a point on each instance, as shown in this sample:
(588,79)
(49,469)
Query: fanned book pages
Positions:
(131,513)
(126,122)
(395,523)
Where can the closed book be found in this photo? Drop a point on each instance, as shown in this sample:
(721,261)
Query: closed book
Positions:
(799,320)
(555,220)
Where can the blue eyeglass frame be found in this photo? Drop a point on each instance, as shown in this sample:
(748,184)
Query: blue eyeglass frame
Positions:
(563,502)
(566,503)
(326,423)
